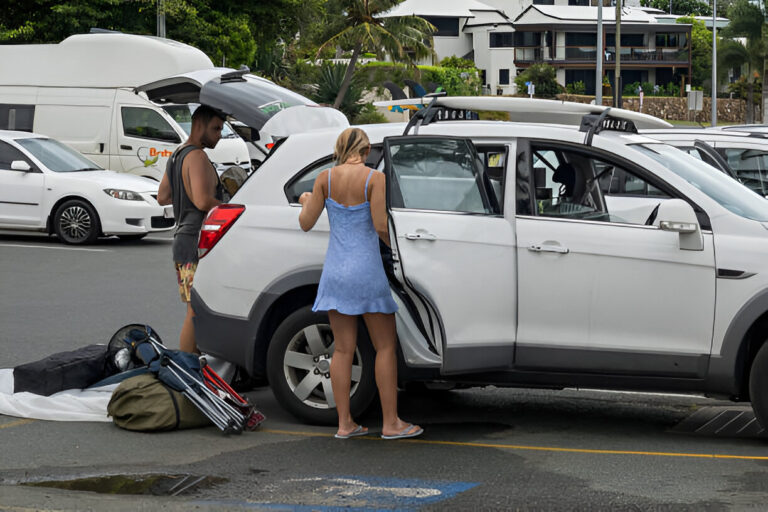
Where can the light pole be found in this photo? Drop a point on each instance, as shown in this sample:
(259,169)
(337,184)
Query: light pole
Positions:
(599,68)
(160,18)
(714,62)
(617,85)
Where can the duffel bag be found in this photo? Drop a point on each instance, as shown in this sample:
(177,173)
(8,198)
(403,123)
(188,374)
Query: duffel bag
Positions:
(75,369)
(145,404)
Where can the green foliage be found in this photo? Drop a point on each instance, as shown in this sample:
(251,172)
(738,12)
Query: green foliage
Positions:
(369,115)
(606,81)
(329,83)
(649,89)
(701,52)
(544,78)
(457,62)
(740,88)
(576,88)
(682,7)
(457,82)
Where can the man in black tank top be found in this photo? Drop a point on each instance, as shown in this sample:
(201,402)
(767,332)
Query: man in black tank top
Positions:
(192,185)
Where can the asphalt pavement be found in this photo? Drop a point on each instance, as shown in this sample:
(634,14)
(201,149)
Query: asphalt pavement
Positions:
(483,449)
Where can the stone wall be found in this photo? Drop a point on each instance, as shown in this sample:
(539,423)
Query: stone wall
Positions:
(676,109)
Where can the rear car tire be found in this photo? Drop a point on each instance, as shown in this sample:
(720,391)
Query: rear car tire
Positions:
(758,385)
(298,367)
(76,222)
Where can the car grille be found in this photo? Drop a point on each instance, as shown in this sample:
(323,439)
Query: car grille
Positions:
(161,222)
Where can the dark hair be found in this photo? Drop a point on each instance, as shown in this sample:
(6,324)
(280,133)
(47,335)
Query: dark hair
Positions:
(204,114)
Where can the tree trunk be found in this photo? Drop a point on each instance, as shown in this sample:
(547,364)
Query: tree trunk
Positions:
(750,102)
(764,103)
(348,75)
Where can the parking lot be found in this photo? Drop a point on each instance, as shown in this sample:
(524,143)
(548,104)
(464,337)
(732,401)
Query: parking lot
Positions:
(483,449)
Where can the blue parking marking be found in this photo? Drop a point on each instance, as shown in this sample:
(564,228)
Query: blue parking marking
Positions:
(360,494)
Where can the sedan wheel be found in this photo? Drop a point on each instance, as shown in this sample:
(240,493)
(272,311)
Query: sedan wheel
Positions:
(75,222)
(299,368)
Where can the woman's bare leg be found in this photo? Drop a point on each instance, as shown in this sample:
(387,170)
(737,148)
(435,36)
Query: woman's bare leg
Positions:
(382,330)
(344,329)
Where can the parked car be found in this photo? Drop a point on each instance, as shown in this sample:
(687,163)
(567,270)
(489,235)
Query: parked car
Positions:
(742,155)
(47,186)
(507,263)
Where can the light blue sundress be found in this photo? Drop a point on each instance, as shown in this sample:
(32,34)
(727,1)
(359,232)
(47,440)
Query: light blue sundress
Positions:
(353,281)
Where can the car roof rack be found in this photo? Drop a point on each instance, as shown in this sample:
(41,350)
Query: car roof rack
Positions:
(426,115)
(528,110)
(235,76)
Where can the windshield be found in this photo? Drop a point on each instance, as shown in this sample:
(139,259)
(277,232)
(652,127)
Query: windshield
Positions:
(182,114)
(57,156)
(731,194)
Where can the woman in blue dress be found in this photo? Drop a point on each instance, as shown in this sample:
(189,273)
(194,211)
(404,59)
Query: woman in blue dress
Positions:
(353,281)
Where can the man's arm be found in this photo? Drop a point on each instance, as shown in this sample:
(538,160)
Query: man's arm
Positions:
(164,196)
(202,181)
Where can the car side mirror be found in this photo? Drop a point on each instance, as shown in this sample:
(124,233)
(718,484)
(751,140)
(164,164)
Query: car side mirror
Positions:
(20,165)
(677,216)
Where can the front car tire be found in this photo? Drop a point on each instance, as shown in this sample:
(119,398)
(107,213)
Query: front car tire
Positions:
(758,385)
(76,222)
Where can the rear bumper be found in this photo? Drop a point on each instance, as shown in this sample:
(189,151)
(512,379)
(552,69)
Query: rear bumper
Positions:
(228,337)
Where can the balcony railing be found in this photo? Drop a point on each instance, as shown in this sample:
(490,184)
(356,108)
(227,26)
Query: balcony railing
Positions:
(588,54)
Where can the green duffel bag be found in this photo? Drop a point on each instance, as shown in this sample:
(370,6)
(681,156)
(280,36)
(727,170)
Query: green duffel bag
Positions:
(145,404)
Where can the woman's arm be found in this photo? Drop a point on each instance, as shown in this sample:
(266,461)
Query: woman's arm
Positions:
(312,203)
(379,206)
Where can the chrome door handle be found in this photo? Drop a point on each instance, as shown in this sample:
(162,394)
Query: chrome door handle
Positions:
(421,236)
(548,248)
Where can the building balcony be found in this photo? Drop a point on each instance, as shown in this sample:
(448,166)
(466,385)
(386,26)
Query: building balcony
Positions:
(565,55)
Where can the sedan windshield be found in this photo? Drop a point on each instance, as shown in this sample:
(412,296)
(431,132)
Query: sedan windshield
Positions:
(731,194)
(57,156)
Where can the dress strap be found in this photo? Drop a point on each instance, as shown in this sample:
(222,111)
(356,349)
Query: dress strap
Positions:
(366,184)
(329,181)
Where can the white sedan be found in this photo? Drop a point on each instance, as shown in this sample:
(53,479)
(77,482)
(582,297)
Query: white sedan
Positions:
(46,186)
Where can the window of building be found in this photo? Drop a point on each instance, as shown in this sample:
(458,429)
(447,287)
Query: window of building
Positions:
(626,40)
(580,39)
(446,27)
(527,39)
(543,2)
(502,39)
(503,77)
(17,117)
(585,3)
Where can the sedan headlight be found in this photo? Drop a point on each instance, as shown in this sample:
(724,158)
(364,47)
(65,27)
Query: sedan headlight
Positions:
(123,194)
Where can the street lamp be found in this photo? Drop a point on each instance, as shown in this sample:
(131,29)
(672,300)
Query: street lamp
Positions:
(599,53)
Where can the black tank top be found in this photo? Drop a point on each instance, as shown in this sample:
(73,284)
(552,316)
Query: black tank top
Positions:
(189,218)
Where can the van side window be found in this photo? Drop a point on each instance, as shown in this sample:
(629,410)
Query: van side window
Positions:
(17,117)
(8,154)
(147,124)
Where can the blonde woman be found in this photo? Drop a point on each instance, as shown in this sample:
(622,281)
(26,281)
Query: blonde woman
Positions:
(353,281)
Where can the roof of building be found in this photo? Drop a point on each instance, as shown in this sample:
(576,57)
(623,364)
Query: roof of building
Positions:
(487,18)
(549,15)
(441,8)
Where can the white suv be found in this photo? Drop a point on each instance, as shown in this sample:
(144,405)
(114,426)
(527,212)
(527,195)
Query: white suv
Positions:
(508,263)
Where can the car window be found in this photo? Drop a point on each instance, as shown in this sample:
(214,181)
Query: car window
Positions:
(8,154)
(147,124)
(56,156)
(439,174)
(750,165)
(494,159)
(729,193)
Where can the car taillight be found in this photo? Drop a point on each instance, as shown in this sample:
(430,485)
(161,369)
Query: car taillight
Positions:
(218,222)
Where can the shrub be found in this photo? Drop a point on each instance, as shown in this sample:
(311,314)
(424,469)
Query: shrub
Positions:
(543,77)
(576,88)
(369,115)
(328,86)
(457,63)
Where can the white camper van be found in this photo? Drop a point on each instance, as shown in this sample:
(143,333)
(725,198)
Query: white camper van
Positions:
(82,92)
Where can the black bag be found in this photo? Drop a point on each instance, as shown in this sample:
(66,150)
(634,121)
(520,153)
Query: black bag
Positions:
(76,369)
(145,404)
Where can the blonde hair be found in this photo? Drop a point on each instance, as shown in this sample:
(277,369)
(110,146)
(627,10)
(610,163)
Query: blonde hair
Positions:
(351,142)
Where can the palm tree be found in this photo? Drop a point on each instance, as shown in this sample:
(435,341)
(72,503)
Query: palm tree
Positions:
(404,38)
(747,21)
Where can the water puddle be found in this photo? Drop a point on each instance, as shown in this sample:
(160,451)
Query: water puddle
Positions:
(151,484)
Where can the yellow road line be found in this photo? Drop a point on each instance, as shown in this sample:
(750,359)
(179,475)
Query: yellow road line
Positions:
(15,423)
(537,448)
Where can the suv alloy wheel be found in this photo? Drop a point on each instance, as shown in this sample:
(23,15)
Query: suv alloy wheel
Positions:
(299,362)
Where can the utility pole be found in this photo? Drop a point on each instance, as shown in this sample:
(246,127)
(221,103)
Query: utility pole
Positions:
(599,68)
(160,18)
(617,85)
(714,62)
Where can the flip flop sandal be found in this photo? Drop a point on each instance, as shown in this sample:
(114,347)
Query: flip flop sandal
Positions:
(358,431)
(405,433)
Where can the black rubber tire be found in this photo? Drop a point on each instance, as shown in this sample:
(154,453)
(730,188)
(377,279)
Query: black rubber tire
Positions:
(75,222)
(129,238)
(758,385)
(291,328)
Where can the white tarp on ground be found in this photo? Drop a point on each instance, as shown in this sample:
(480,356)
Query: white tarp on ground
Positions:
(69,405)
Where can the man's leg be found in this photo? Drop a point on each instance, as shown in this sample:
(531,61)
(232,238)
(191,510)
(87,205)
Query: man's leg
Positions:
(185,273)
(187,338)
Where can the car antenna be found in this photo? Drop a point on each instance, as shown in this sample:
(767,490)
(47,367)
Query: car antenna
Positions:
(425,116)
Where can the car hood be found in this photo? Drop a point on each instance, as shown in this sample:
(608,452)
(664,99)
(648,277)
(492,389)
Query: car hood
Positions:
(112,179)
(250,99)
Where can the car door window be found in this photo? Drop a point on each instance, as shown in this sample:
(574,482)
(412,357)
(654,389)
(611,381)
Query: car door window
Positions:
(578,184)
(8,154)
(147,124)
(440,174)
(750,165)
(494,159)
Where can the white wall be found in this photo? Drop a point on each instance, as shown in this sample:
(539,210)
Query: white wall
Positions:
(448,46)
